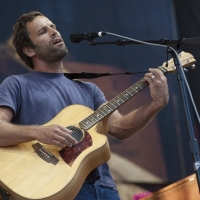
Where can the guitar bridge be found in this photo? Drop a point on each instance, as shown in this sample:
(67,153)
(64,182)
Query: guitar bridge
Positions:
(45,154)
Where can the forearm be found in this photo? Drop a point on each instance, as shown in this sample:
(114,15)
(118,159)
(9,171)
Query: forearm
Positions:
(12,134)
(125,126)
(54,134)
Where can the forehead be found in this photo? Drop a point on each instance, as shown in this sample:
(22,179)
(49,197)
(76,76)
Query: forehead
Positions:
(37,23)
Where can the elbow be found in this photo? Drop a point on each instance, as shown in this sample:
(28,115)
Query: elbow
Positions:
(119,136)
(122,134)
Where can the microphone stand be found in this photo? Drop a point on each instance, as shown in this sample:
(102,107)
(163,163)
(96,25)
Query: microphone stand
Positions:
(193,143)
(184,41)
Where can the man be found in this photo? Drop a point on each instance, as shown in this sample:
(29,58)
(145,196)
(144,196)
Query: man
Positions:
(30,100)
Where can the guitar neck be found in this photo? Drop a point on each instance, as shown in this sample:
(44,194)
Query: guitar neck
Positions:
(115,103)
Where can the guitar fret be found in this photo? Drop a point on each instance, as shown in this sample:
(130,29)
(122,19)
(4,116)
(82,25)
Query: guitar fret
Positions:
(97,115)
(101,111)
(112,104)
(121,99)
(143,83)
(91,119)
(133,90)
(83,126)
(138,86)
(124,97)
(84,123)
(88,122)
(129,93)
(104,110)
(118,100)
(100,114)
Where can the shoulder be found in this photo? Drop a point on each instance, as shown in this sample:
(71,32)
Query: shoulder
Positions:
(13,80)
(88,86)
(95,93)
(16,78)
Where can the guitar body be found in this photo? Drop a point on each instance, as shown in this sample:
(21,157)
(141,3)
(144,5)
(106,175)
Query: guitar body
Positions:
(25,175)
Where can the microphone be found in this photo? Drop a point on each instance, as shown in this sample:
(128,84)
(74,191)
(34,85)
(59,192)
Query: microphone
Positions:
(78,37)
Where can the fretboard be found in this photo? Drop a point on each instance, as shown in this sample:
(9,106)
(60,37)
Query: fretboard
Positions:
(115,103)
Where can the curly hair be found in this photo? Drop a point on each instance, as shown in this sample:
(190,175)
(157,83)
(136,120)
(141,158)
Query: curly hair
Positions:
(21,38)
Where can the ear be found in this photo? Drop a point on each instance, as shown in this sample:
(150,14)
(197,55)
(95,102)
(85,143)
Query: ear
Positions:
(28,51)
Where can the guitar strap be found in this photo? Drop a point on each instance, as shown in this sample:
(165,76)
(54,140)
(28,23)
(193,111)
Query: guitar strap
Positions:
(87,75)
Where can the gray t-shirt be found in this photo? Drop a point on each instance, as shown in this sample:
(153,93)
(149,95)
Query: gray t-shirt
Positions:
(37,97)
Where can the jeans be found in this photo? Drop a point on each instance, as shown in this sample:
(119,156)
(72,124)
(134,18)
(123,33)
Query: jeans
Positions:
(97,192)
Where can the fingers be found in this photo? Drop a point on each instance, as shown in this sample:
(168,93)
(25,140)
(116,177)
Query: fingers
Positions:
(154,75)
(56,135)
(156,79)
(158,87)
(65,135)
(64,138)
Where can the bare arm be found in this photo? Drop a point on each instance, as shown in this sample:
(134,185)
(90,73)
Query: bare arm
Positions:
(124,126)
(12,134)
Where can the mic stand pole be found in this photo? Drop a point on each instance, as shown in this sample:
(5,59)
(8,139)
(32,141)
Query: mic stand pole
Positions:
(193,143)
(184,41)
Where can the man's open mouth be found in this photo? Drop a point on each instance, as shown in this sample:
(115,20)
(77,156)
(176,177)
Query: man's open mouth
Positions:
(58,40)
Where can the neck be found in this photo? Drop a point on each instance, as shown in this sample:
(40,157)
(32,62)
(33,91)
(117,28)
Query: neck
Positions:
(55,67)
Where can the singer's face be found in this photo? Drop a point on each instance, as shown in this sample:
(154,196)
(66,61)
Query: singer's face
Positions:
(49,45)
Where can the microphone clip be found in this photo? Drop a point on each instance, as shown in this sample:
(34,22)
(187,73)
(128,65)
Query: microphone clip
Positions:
(78,37)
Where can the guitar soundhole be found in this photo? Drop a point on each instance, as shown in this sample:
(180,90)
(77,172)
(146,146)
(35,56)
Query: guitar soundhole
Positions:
(77,133)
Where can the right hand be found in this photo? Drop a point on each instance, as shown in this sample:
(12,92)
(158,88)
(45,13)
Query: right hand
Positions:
(56,135)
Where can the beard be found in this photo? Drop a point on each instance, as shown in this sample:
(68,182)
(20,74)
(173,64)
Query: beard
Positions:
(50,53)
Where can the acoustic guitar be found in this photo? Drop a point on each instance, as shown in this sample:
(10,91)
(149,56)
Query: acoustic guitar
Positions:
(39,171)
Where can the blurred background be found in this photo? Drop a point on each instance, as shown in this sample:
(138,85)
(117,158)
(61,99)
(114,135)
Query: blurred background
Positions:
(159,154)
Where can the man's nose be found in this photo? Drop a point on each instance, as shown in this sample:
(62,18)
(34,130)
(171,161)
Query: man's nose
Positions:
(53,32)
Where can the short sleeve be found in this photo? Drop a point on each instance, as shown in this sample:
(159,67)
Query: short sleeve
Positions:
(10,94)
(98,95)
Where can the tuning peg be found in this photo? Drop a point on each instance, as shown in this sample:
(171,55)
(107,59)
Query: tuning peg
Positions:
(193,66)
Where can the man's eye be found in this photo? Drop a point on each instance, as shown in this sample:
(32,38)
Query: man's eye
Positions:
(42,32)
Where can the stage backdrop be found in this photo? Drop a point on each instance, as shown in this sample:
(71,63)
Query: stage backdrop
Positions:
(161,148)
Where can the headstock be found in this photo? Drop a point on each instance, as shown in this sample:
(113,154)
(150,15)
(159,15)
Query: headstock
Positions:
(186,59)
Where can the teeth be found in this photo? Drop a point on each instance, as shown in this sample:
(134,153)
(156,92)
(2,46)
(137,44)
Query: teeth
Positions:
(57,41)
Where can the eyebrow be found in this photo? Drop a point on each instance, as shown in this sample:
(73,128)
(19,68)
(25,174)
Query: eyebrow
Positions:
(51,25)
